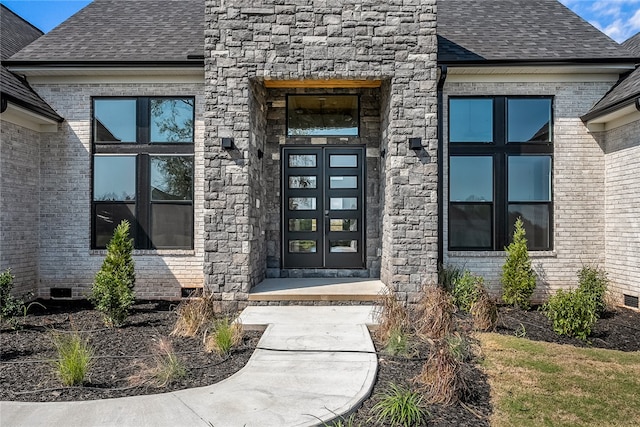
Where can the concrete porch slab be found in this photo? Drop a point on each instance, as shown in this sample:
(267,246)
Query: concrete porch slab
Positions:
(318,289)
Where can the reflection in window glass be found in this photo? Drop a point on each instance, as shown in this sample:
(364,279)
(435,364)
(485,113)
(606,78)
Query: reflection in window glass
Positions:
(302,182)
(303,224)
(171,178)
(114,178)
(471,120)
(302,203)
(302,160)
(344,203)
(343,160)
(536,219)
(302,246)
(171,225)
(470,226)
(529,178)
(172,120)
(471,178)
(343,246)
(115,120)
(344,225)
(343,182)
(313,115)
(107,218)
(529,120)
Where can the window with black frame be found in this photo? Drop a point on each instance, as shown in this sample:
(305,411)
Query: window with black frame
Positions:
(143,170)
(500,168)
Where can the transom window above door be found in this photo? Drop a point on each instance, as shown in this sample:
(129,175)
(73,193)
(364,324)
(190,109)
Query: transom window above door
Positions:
(322,115)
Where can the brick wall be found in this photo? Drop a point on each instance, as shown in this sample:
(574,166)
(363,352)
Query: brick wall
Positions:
(622,208)
(66,259)
(578,187)
(19,189)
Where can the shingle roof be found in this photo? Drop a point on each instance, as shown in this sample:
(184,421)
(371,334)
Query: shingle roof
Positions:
(15,33)
(124,31)
(633,44)
(519,31)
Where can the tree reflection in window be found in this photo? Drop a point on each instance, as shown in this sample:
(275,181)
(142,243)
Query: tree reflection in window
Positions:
(171,178)
(172,119)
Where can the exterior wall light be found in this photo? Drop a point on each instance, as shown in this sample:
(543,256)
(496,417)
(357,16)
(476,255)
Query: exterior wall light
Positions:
(415,143)
(227,143)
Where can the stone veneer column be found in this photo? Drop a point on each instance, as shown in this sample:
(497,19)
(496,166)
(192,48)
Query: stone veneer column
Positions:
(249,41)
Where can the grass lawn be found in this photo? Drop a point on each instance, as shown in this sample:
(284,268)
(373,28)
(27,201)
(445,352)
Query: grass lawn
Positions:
(541,384)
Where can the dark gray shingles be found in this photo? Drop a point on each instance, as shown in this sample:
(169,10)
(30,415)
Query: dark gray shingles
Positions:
(16,33)
(518,30)
(625,92)
(633,44)
(140,31)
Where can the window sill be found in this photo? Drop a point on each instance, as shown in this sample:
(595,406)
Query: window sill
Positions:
(150,252)
(498,254)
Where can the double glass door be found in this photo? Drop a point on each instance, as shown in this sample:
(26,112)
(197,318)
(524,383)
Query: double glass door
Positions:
(323,196)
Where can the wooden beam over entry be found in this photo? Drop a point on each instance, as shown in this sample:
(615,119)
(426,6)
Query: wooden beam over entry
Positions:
(321,83)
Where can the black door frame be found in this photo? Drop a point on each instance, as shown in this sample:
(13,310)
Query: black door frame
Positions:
(323,235)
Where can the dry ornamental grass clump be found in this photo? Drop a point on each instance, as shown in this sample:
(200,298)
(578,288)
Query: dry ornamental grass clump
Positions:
(393,319)
(193,315)
(443,376)
(166,369)
(224,335)
(434,313)
(484,311)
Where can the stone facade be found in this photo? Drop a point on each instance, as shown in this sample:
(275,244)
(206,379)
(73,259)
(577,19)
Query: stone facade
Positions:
(248,43)
(578,187)
(19,190)
(65,256)
(622,209)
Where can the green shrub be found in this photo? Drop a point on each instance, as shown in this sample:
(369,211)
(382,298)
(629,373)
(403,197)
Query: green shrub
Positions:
(399,406)
(447,276)
(10,306)
(593,283)
(466,290)
(225,335)
(573,313)
(398,344)
(518,278)
(112,292)
(74,357)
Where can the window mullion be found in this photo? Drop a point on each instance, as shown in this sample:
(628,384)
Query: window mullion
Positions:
(500,188)
(142,201)
(143,119)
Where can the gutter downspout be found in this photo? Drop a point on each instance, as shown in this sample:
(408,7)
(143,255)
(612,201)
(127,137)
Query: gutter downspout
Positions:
(440,89)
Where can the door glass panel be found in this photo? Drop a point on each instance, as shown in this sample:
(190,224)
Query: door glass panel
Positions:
(343,161)
(114,178)
(471,120)
(302,246)
(171,178)
(302,203)
(302,182)
(343,182)
(115,120)
(343,246)
(303,224)
(302,160)
(344,203)
(529,178)
(344,225)
(471,178)
(529,120)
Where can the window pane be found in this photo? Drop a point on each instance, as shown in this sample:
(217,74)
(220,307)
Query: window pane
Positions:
(302,246)
(302,182)
(171,225)
(302,160)
(108,216)
(302,203)
(344,203)
(114,178)
(471,178)
(311,115)
(470,226)
(343,160)
(529,178)
(529,120)
(172,120)
(344,225)
(115,120)
(343,182)
(302,224)
(536,223)
(471,120)
(171,178)
(343,246)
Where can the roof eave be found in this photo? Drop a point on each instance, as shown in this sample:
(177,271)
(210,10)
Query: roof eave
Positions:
(538,62)
(51,115)
(196,62)
(626,102)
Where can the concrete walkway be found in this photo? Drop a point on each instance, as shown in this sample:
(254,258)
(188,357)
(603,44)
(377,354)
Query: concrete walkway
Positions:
(311,364)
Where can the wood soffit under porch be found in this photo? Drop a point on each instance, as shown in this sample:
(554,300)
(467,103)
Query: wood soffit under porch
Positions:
(322,84)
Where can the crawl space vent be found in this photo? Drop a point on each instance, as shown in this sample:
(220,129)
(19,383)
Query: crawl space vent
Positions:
(630,301)
(60,292)
(191,292)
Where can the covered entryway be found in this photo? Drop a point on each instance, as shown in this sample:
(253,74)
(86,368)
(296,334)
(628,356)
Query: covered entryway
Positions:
(323,207)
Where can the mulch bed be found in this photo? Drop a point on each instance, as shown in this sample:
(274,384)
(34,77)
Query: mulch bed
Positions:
(26,373)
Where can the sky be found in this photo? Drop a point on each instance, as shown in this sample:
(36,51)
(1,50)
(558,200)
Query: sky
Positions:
(619,19)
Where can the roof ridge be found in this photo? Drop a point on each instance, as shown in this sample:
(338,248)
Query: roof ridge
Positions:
(22,19)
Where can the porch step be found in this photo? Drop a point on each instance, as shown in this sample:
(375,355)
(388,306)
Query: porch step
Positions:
(318,289)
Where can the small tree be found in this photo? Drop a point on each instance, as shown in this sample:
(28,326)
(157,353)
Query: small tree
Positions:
(10,306)
(112,292)
(518,278)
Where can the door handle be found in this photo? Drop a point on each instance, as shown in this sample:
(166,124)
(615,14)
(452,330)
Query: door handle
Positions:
(326,222)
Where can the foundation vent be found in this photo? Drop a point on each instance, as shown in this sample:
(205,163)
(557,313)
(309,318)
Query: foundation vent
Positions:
(191,292)
(60,293)
(630,301)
